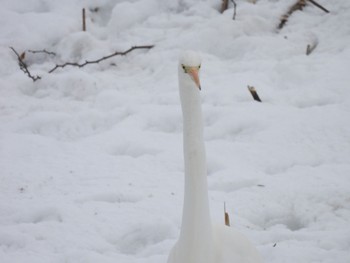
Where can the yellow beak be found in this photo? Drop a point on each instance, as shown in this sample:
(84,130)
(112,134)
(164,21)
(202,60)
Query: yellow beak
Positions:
(193,72)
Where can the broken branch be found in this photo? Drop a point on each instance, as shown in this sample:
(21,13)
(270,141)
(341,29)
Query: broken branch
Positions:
(23,66)
(100,59)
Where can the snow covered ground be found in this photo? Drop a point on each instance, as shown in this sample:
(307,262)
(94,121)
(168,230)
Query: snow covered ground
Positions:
(91,165)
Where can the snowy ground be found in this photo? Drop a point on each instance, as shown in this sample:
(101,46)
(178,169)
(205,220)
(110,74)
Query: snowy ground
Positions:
(91,166)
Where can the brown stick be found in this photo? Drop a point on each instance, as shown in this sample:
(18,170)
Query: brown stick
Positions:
(23,65)
(254,93)
(227,217)
(84,20)
(100,59)
(318,5)
(224,5)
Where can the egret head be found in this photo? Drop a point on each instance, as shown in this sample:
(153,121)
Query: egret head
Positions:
(189,66)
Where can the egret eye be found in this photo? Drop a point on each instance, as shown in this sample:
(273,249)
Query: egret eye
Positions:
(199,66)
(183,66)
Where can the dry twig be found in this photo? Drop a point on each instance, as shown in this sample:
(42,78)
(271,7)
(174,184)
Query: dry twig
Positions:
(23,65)
(227,217)
(100,59)
(318,5)
(84,20)
(42,51)
(254,93)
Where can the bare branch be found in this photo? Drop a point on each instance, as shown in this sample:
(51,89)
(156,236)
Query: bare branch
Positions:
(100,59)
(23,66)
(318,5)
(84,20)
(42,51)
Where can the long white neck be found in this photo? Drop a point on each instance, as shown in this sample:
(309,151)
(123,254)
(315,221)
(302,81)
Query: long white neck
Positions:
(196,231)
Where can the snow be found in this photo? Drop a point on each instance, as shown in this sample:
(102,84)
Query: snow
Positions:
(91,165)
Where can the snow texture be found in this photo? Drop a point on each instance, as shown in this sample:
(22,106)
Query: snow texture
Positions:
(91,163)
